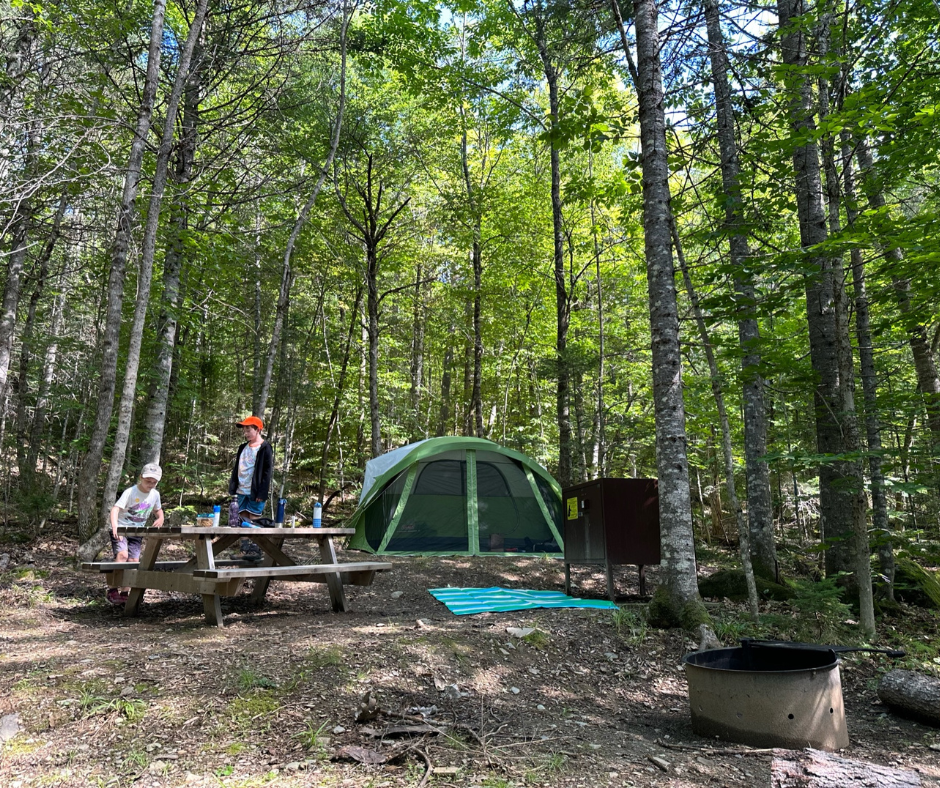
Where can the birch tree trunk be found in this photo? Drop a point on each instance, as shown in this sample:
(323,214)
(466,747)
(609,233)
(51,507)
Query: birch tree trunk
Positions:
(155,418)
(97,541)
(759,507)
(726,448)
(91,464)
(22,222)
(38,423)
(676,601)
(18,64)
(23,422)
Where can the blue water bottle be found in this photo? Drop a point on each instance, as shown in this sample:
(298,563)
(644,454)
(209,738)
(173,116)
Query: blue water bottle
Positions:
(281,506)
(317,515)
(216,514)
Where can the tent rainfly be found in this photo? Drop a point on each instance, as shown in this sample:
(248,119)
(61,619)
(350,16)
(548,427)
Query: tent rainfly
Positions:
(457,496)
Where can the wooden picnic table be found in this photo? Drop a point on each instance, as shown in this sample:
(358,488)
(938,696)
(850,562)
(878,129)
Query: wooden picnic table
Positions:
(212,578)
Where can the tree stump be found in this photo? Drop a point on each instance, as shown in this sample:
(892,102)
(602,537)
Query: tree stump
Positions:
(817,769)
(912,693)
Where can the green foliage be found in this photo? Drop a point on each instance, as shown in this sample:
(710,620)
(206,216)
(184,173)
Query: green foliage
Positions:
(312,736)
(821,613)
(916,585)
(249,679)
(319,657)
(630,626)
(730,627)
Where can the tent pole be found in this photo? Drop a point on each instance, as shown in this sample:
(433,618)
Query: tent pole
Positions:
(405,494)
(541,502)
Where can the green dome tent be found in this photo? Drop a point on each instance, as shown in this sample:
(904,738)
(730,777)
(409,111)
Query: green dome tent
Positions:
(457,496)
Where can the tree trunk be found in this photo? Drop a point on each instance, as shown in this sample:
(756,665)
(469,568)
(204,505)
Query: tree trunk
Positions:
(447,366)
(676,601)
(23,422)
(759,508)
(476,392)
(91,465)
(851,437)
(158,401)
(145,277)
(372,308)
(815,769)
(562,302)
(37,426)
(22,223)
(912,693)
(417,356)
(599,458)
(338,397)
(928,381)
(19,61)
(880,521)
(727,452)
(837,498)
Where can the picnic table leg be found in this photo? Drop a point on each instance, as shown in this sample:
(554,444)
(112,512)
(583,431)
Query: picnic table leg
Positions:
(610,582)
(261,583)
(211,603)
(567,579)
(333,581)
(147,559)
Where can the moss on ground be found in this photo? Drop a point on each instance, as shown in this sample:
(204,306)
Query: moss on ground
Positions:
(730,584)
(915,585)
(666,613)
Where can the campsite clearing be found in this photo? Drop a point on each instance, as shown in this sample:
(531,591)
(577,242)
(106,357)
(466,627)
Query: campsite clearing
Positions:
(583,699)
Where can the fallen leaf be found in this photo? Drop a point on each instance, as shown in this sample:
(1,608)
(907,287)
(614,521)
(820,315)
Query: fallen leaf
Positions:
(359,754)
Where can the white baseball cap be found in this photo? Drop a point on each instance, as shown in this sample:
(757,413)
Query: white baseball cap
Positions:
(151,471)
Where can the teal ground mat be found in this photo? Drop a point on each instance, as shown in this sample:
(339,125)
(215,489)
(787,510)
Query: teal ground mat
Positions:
(466,601)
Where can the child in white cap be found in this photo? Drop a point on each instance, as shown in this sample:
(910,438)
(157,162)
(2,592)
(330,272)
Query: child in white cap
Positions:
(133,509)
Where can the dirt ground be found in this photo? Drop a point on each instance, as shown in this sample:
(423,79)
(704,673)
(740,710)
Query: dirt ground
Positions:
(271,699)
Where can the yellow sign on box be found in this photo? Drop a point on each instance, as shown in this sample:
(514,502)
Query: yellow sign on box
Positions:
(571,504)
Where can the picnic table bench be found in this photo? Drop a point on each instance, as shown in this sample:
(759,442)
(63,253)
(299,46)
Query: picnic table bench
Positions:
(213,577)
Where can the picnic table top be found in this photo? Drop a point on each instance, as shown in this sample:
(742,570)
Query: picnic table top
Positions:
(198,532)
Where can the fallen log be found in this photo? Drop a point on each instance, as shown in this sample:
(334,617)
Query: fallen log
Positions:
(817,769)
(913,694)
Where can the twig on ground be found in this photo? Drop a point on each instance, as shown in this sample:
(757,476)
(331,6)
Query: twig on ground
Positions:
(427,760)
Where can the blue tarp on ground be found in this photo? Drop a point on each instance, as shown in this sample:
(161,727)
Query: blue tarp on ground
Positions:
(467,601)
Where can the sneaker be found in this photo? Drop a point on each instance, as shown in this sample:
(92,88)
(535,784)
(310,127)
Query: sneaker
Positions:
(114,597)
(251,556)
